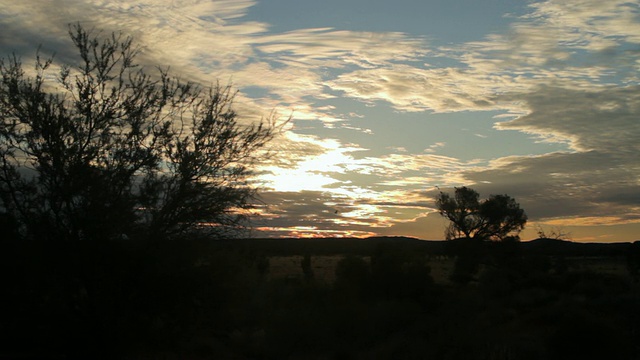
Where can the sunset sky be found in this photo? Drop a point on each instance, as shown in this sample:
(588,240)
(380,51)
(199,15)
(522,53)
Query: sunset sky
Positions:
(389,100)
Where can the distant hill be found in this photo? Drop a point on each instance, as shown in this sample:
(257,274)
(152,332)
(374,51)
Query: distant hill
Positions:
(555,247)
(367,246)
(329,246)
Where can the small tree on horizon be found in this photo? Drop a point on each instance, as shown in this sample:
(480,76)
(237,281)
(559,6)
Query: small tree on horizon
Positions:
(106,149)
(497,218)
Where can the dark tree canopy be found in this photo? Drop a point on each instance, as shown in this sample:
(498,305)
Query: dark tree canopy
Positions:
(495,218)
(104,148)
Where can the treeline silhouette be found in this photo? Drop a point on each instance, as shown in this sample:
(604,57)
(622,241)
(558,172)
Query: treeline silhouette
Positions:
(201,298)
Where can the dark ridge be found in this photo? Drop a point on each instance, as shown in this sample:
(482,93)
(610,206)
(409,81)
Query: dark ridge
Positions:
(368,246)
(554,247)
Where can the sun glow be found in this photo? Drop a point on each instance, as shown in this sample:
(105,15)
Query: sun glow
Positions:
(311,173)
(296,180)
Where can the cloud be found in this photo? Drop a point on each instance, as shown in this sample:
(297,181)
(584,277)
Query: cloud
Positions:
(565,72)
(328,47)
(423,170)
(579,44)
(594,184)
(562,36)
(569,77)
(604,119)
(566,185)
(413,89)
(209,40)
(597,179)
(313,213)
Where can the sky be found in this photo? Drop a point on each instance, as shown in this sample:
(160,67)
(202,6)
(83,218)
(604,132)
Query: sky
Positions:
(392,100)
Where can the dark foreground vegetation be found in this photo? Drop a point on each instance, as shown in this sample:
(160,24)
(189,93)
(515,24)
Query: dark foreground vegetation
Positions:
(115,181)
(216,300)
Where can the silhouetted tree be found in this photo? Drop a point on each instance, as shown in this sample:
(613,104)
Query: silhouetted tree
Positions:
(495,218)
(109,149)
(555,233)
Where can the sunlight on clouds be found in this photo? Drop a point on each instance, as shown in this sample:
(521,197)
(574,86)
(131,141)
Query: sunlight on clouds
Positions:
(327,47)
(566,72)
(287,84)
(412,89)
(309,173)
(384,215)
(595,20)
(591,221)
(295,180)
(312,232)
(396,167)
(558,39)
(366,211)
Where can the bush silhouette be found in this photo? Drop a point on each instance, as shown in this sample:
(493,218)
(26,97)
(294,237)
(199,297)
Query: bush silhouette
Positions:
(111,150)
(496,218)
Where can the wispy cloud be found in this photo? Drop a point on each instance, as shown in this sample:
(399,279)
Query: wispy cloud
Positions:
(565,72)
(570,69)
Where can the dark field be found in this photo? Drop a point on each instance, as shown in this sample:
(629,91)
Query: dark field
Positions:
(381,298)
